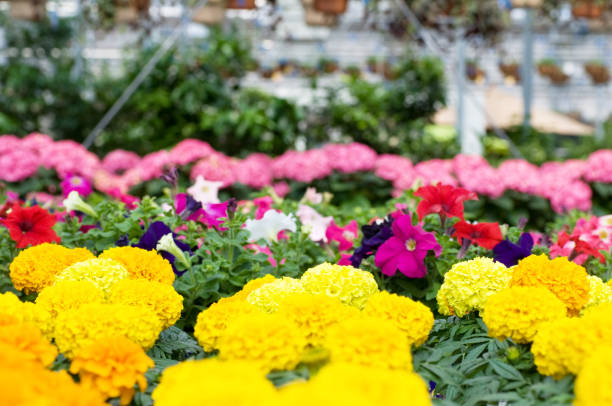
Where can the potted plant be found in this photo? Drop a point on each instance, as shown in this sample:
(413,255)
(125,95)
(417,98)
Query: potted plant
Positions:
(389,71)
(331,6)
(328,65)
(473,72)
(317,18)
(598,72)
(373,64)
(587,8)
(33,10)
(241,4)
(212,13)
(130,10)
(526,3)
(511,70)
(353,71)
(550,69)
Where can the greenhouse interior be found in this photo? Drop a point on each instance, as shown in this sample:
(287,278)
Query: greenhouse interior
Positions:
(305,202)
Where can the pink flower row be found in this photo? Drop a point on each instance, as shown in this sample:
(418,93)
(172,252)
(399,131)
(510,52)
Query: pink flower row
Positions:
(563,183)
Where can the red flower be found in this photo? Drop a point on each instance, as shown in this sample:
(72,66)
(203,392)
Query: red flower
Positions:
(487,235)
(580,247)
(444,200)
(31,226)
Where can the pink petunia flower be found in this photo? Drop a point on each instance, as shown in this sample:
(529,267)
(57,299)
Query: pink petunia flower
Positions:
(345,236)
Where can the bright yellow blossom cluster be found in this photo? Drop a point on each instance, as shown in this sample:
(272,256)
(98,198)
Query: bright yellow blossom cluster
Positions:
(142,264)
(592,386)
(103,273)
(268,296)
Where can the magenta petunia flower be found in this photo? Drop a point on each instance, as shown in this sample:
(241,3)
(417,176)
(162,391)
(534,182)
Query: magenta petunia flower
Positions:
(78,183)
(406,249)
(345,236)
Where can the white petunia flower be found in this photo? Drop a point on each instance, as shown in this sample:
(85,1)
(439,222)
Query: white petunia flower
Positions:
(205,191)
(74,203)
(313,223)
(270,225)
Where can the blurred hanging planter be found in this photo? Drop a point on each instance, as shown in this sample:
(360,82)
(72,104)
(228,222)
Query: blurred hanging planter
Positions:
(389,71)
(373,64)
(32,10)
(474,73)
(328,65)
(211,14)
(241,4)
(318,18)
(331,6)
(511,72)
(592,9)
(598,72)
(526,3)
(353,71)
(550,69)
(128,11)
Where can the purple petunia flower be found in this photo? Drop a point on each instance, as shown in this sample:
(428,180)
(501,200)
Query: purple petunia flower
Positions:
(510,254)
(151,237)
(374,235)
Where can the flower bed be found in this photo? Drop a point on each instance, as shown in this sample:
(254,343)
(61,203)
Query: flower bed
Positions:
(184,299)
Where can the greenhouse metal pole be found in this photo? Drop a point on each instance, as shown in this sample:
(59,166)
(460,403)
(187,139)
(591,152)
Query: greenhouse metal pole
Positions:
(527,70)
(142,75)
(461,91)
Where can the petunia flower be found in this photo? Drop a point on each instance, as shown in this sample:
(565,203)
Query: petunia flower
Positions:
(153,235)
(510,254)
(74,203)
(374,235)
(186,206)
(574,248)
(77,183)
(205,191)
(406,249)
(313,222)
(270,225)
(167,244)
(443,200)
(345,236)
(263,204)
(313,196)
(30,226)
(486,235)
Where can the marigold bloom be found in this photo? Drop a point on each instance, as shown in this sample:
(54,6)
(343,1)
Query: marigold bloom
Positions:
(35,268)
(142,264)
(599,292)
(370,342)
(351,285)
(592,386)
(75,329)
(567,280)
(414,319)
(519,311)
(112,366)
(12,311)
(269,340)
(212,322)
(315,314)
(468,285)
(103,273)
(252,285)
(31,226)
(69,295)
(268,297)
(213,382)
(159,297)
(28,339)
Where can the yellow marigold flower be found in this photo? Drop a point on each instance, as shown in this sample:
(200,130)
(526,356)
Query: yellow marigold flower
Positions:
(567,280)
(212,322)
(338,382)
(468,285)
(35,267)
(69,295)
(213,382)
(599,292)
(12,311)
(112,366)
(592,386)
(519,311)
(25,386)
(268,296)
(414,319)
(159,297)
(370,342)
(351,285)
(75,329)
(142,264)
(315,314)
(103,273)
(253,285)
(27,339)
(268,340)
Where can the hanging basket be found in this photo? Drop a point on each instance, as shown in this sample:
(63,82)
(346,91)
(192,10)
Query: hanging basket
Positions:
(212,13)
(587,9)
(31,10)
(131,11)
(331,6)
(511,70)
(599,73)
(317,18)
(526,3)
(241,4)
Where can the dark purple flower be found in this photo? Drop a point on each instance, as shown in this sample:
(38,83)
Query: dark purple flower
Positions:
(187,207)
(374,235)
(510,254)
(154,233)
(171,177)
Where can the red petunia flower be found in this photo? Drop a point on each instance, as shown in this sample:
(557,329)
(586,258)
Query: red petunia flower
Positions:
(31,226)
(581,247)
(444,200)
(486,235)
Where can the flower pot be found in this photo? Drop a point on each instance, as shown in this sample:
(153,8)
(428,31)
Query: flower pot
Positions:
(241,4)
(526,3)
(317,18)
(599,74)
(130,11)
(389,71)
(212,13)
(511,70)
(587,9)
(331,6)
(33,10)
